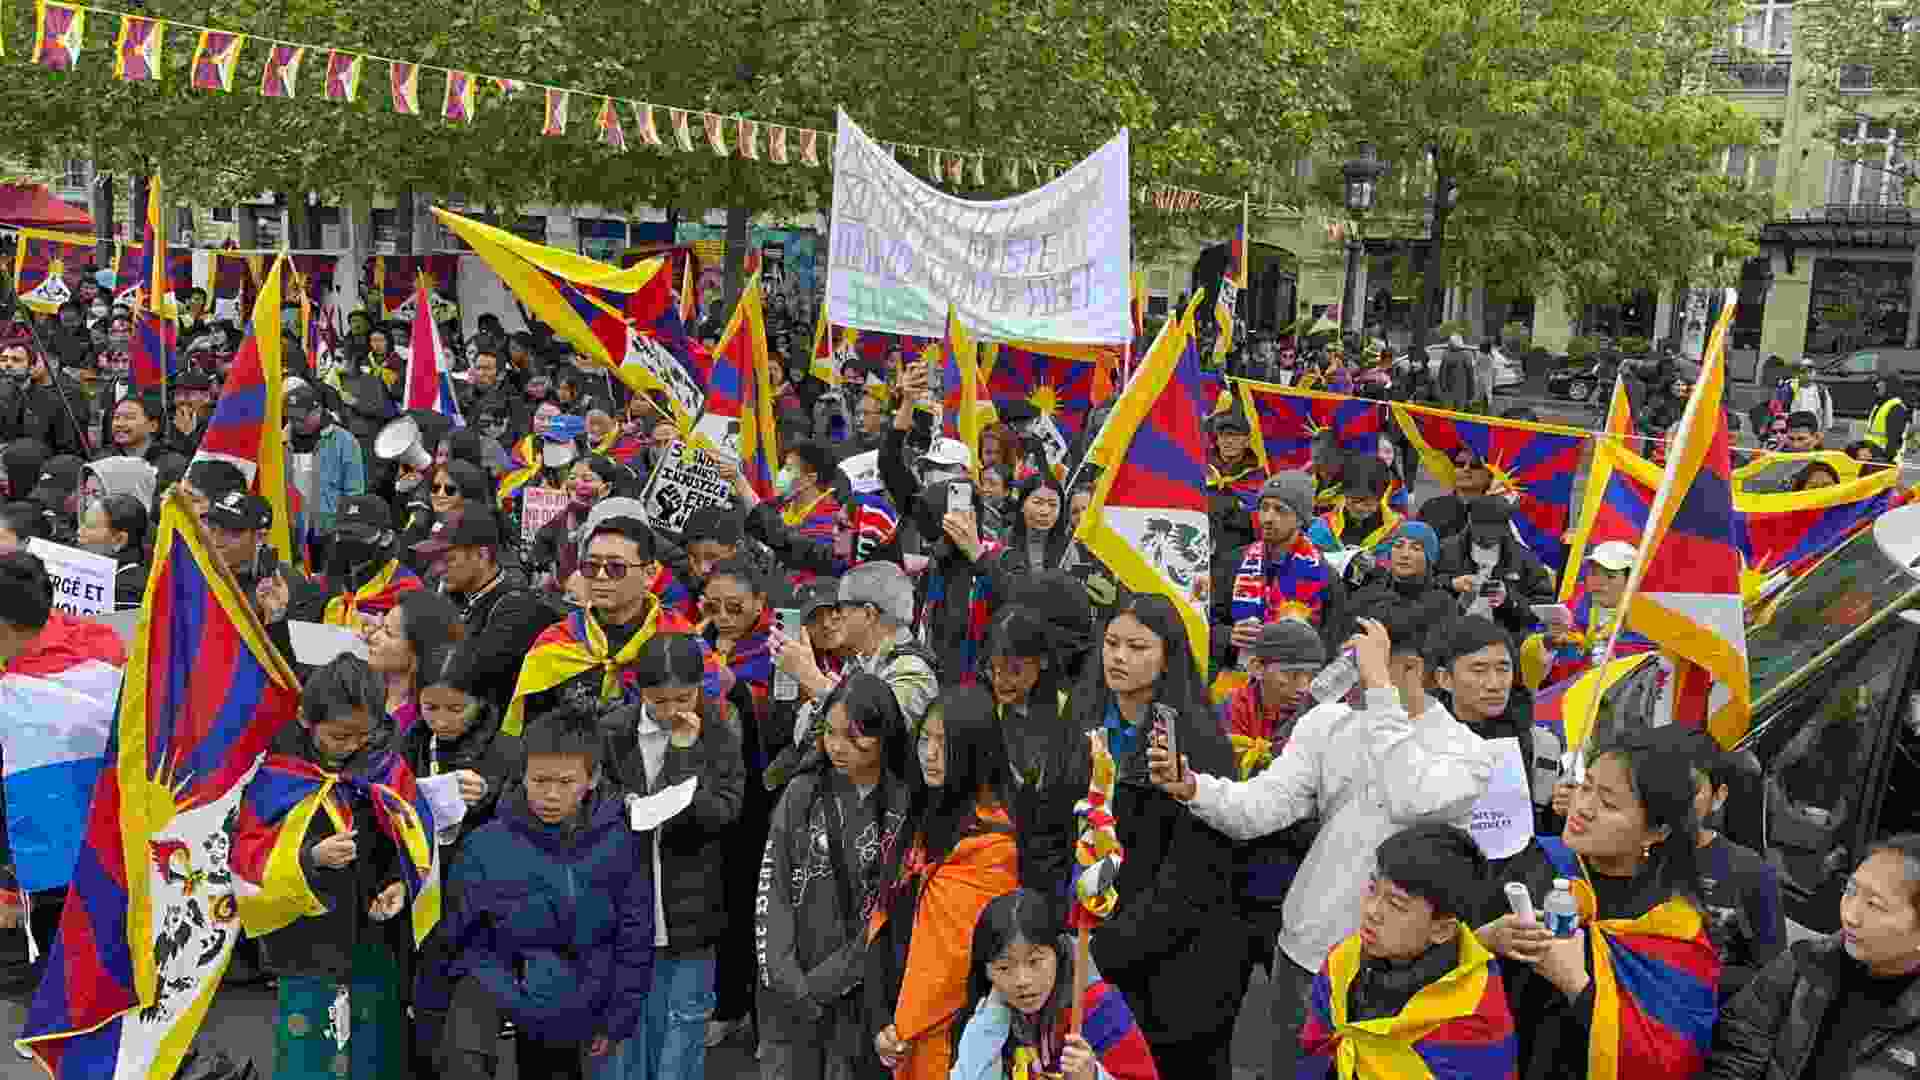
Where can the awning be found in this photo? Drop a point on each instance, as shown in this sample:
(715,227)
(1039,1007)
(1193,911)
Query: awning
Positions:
(32,206)
(1844,226)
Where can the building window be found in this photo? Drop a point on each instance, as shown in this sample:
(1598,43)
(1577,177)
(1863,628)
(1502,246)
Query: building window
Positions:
(1866,166)
(1754,166)
(77,173)
(1768,26)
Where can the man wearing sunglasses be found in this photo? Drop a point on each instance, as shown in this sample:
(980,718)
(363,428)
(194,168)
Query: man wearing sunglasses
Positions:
(583,659)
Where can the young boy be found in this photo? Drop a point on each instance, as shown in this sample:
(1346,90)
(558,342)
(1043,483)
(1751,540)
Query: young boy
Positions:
(1414,979)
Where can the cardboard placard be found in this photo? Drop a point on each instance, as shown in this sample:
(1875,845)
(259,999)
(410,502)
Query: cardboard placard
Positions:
(82,581)
(539,505)
(685,479)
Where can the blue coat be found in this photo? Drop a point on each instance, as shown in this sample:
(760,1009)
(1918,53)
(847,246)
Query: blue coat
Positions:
(555,921)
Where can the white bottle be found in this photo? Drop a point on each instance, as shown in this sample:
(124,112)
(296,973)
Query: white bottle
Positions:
(1561,915)
(1337,679)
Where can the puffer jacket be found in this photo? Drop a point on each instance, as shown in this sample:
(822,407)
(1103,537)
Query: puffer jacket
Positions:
(1769,1029)
(693,844)
(555,921)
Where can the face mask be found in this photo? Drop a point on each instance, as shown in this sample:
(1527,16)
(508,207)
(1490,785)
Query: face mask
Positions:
(355,552)
(584,494)
(783,483)
(407,483)
(99,311)
(120,341)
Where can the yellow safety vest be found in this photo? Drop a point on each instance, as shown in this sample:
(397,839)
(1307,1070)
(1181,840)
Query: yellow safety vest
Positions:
(1877,423)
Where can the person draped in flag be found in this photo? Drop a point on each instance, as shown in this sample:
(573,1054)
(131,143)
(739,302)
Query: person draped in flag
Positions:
(1360,517)
(1632,994)
(365,576)
(332,840)
(1414,985)
(806,501)
(1569,647)
(583,659)
(1233,470)
(1020,991)
(1282,575)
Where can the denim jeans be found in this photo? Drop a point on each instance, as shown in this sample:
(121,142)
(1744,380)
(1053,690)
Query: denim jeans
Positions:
(671,1042)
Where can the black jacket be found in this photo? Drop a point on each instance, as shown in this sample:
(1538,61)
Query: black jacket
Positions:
(499,761)
(1768,1031)
(1176,943)
(1447,514)
(35,412)
(502,621)
(1527,580)
(1380,587)
(693,844)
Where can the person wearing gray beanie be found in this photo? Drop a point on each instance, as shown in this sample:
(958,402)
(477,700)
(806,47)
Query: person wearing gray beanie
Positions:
(1282,574)
(1294,490)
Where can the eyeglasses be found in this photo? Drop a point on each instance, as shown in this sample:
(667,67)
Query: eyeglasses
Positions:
(444,489)
(611,569)
(731,607)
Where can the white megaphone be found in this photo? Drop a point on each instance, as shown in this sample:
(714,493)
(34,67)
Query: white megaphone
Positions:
(400,440)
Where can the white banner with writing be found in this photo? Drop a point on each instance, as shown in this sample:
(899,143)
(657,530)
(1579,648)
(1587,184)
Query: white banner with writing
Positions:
(1046,265)
(82,581)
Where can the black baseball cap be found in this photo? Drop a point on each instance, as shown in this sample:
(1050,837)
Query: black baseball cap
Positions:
(363,517)
(302,400)
(478,529)
(816,594)
(240,510)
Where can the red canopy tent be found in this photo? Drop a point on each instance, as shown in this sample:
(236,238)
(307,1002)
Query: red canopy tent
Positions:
(32,206)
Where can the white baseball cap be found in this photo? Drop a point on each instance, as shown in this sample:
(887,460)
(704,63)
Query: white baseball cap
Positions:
(949,452)
(1615,555)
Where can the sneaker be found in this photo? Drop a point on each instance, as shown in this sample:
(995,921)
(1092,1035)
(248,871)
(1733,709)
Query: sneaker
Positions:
(721,1031)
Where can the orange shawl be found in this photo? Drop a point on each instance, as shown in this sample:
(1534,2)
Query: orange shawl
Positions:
(953,892)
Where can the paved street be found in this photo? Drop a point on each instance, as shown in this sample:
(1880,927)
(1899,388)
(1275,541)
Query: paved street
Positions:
(241,1023)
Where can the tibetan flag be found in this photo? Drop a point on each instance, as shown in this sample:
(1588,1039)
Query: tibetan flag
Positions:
(748,137)
(457,106)
(46,266)
(247,425)
(152,916)
(280,78)
(1148,518)
(1289,420)
(343,76)
(403,83)
(556,122)
(214,59)
(577,645)
(621,320)
(56,710)
(682,133)
(716,133)
(1457,1027)
(608,124)
(1656,981)
(644,126)
(429,383)
(1533,467)
(1137,301)
(1789,529)
(57,34)
(969,411)
(136,52)
(776,144)
(822,364)
(152,356)
(1685,593)
(1568,709)
(1060,387)
(1617,505)
(688,300)
(1232,284)
(1620,411)
(739,416)
(810,148)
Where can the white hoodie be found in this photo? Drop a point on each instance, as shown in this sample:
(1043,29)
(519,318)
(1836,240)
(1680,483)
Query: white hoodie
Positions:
(1367,773)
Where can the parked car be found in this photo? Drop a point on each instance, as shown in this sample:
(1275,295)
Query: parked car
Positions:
(1849,378)
(1506,371)
(1833,750)
(1584,382)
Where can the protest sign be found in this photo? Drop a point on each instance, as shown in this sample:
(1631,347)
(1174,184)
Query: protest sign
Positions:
(685,479)
(82,581)
(1502,820)
(539,505)
(1051,264)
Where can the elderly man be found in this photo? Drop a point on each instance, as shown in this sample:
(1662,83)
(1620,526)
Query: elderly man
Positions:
(876,619)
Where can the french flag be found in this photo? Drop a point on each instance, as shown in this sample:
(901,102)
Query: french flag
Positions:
(56,710)
(429,384)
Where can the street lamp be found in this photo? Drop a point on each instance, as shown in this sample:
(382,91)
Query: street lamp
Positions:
(1361,173)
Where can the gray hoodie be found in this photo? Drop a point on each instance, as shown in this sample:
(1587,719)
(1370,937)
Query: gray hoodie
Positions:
(127,476)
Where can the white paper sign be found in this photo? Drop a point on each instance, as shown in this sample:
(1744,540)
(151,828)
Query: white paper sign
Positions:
(539,505)
(684,480)
(82,581)
(315,643)
(1503,818)
(443,798)
(649,812)
(1047,265)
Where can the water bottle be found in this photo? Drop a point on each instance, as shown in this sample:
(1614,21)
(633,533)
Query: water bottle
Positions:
(1336,680)
(1562,915)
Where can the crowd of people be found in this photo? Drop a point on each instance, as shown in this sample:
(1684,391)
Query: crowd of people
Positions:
(888,698)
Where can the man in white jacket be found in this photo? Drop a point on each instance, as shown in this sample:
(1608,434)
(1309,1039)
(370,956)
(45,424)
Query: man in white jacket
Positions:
(1399,760)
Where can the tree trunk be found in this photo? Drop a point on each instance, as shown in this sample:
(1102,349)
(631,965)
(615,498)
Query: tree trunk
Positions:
(1433,292)
(403,222)
(103,215)
(738,218)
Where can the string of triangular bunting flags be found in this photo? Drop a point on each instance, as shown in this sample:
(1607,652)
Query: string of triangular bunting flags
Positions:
(59,29)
